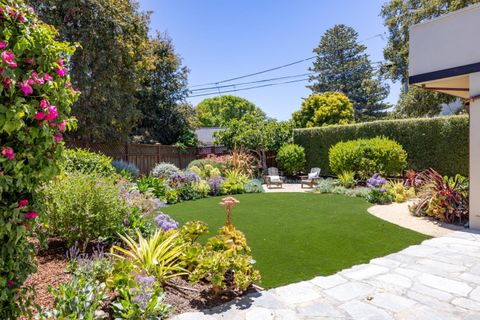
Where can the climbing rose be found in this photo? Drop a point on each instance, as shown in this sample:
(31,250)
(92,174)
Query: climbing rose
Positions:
(8,57)
(26,87)
(39,81)
(62,125)
(43,104)
(47,77)
(68,85)
(52,113)
(62,72)
(7,82)
(58,137)
(31,215)
(22,203)
(3,45)
(39,115)
(8,152)
(29,61)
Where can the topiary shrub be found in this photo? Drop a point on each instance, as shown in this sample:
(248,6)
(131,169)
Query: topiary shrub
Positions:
(365,157)
(82,160)
(165,170)
(82,207)
(291,158)
(35,99)
(124,166)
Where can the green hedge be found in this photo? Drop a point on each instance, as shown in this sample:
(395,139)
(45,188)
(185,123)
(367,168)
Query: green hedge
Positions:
(440,143)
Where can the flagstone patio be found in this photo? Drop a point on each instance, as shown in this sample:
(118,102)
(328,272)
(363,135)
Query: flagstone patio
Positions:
(436,280)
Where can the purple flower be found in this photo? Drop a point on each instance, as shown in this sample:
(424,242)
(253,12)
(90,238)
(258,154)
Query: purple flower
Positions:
(383,190)
(165,223)
(376,181)
(144,290)
(215,184)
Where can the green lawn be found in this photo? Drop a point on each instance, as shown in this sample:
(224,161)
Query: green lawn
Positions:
(296,236)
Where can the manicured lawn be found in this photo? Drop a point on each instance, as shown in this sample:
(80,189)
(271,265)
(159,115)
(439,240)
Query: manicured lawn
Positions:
(297,236)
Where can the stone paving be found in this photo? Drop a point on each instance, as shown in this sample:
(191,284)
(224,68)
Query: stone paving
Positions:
(436,280)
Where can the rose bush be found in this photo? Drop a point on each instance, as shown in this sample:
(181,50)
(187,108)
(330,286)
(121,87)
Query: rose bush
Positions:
(35,99)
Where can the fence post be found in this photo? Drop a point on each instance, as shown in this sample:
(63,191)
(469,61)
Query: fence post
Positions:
(158,152)
(126,152)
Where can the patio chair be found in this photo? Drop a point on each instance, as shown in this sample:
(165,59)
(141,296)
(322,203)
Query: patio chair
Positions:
(312,178)
(273,178)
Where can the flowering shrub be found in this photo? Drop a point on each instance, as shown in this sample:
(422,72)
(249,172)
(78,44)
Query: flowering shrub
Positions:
(216,185)
(35,98)
(376,181)
(378,193)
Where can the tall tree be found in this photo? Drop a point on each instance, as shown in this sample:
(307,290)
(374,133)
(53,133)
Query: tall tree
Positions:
(166,117)
(399,16)
(218,111)
(342,65)
(108,67)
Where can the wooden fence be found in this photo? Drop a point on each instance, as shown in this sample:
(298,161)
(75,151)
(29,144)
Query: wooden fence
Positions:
(144,156)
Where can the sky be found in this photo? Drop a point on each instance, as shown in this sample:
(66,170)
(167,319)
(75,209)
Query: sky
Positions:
(224,39)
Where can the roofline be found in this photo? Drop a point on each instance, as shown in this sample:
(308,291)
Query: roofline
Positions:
(446,15)
(445,73)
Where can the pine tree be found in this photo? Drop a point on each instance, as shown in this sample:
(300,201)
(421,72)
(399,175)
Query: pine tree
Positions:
(343,65)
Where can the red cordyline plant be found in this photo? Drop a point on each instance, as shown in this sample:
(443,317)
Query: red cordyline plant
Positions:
(443,198)
(413,179)
(35,99)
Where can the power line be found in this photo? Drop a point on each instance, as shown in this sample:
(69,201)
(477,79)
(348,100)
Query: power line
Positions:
(275,68)
(252,82)
(248,88)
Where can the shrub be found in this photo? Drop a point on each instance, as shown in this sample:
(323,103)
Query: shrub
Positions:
(234,182)
(81,160)
(83,206)
(325,186)
(443,198)
(155,186)
(165,170)
(253,186)
(360,192)
(379,196)
(291,158)
(440,143)
(398,191)
(367,156)
(221,163)
(124,166)
(33,116)
(347,179)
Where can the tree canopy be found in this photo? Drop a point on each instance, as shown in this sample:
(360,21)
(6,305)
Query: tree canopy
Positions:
(165,116)
(343,65)
(218,111)
(324,109)
(255,133)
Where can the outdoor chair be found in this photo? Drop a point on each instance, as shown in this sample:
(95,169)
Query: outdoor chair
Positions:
(273,178)
(312,178)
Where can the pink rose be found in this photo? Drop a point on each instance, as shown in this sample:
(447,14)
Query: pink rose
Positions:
(8,152)
(52,113)
(47,77)
(57,137)
(29,61)
(11,11)
(8,57)
(62,72)
(60,62)
(3,45)
(7,82)
(68,85)
(31,215)
(22,203)
(39,115)
(62,125)
(43,104)
(37,80)
(21,18)
(26,88)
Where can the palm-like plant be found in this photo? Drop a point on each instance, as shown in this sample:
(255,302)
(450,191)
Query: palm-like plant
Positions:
(158,255)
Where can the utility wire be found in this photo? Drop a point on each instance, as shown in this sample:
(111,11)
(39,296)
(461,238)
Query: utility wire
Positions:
(275,68)
(248,88)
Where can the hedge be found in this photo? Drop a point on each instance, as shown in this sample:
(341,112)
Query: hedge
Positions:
(440,143)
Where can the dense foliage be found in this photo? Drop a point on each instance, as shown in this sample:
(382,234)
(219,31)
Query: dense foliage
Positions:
(365,157)
(218,111)
(343,65)
(164,170)
(35,99)
(81,160)
(256,134)
(439,143)
(324,109)
(291,158)
(418,102)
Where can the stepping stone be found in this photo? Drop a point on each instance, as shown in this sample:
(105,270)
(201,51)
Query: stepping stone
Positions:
(328,282)
(364,311)
(297,293)
(444,284)
(349,290)
(392,302)
(259,314)
(396,279)
(366,272)
(467,304)
(319,309)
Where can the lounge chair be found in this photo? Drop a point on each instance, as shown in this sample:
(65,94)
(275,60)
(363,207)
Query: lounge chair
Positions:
(312,178)
(273,178)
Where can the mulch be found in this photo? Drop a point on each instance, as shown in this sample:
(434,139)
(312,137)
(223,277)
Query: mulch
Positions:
(183,296)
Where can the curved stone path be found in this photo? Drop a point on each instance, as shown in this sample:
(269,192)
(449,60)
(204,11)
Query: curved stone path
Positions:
(436,280)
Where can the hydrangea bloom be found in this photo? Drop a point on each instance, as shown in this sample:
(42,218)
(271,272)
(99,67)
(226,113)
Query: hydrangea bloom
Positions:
(376,181)
(165,223)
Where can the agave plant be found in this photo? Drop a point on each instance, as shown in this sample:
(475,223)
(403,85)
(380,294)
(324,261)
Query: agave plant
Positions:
(442,197)
(158,255)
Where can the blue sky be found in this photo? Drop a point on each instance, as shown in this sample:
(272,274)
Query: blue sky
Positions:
(222,39)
